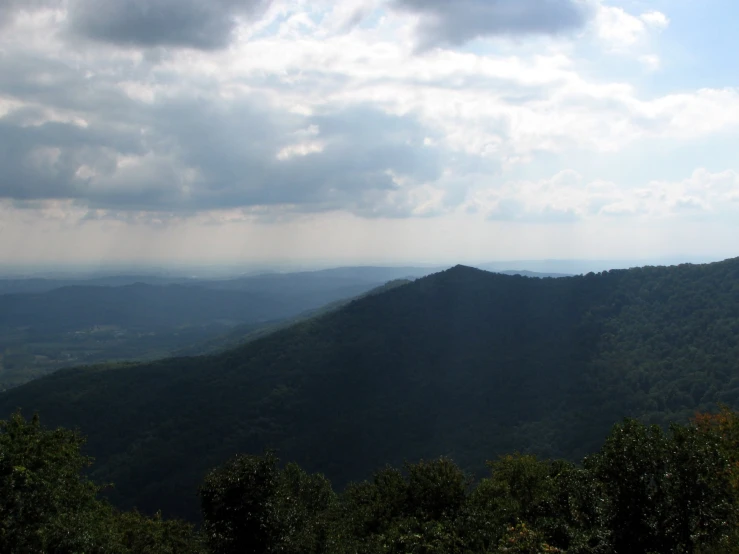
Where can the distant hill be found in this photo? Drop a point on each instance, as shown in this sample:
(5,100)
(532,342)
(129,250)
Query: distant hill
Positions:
(524,273)
(82,324)
(463,362)
(41,285)
(150,306)
(270,282)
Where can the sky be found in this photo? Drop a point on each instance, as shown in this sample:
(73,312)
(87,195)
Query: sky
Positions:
(358,131)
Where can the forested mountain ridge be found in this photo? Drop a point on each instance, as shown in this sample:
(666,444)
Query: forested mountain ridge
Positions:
(463,363)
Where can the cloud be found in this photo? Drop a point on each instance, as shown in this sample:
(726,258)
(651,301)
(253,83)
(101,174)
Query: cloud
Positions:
(620,29)
(201,24)
(444,22)
(510,210)
(566,197)
(185,155)
(299,121)
(10,8)
(655,19)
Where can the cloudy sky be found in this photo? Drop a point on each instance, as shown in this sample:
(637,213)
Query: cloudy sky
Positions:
(367,130)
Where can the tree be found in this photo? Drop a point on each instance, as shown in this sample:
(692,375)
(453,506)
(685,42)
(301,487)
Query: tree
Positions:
(45,505)
(667,492)
(251,506)
(48,506)
(526,500)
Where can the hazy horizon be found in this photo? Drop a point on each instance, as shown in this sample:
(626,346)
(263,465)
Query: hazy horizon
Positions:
(234,268)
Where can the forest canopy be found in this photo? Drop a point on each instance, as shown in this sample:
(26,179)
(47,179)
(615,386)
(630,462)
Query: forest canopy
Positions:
(646,490)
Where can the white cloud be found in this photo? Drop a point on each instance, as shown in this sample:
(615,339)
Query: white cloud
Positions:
(618,27)
(300,149)
(566,198)
(655,19)
(625,33)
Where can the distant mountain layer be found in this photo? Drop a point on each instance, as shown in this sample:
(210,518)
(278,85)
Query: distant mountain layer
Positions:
(463,362)
(149,306)
(304,281)
(82,324)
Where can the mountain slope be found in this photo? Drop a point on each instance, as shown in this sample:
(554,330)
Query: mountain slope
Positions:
(76,325)
(248,332)
(464,362)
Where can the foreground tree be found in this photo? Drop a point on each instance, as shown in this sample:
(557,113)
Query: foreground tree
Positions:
(48,506)
(418,509)
(45,505)
(646,491)
(667,492)
(250,505)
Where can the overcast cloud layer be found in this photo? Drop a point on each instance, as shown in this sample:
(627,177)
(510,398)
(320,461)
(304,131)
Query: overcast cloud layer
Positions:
(365,129)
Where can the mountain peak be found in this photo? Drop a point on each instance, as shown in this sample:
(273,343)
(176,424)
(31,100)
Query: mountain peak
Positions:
(460,269)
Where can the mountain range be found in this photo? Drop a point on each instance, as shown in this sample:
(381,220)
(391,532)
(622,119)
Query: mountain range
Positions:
(464,363)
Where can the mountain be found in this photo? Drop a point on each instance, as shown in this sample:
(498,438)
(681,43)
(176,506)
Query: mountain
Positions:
(322,279)
(40,332)
(248,332)
(48,323)
(41,285)
(463,363)
(157,306)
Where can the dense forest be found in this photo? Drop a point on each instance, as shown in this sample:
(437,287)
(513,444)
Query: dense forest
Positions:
(644,491)
(463,363)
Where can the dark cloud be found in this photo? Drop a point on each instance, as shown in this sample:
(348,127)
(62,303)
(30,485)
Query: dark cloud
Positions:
(192,154)
(234,149)
(74,133)
(202,24)
(458,21)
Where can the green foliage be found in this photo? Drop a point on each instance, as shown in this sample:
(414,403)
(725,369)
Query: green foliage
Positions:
(645,491)
(668,492)
(42,496)
(251,506)
(48,506)
(559,503)
(415,510)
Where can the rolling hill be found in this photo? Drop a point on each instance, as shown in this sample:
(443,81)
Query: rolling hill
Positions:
(83,324)
(464,363)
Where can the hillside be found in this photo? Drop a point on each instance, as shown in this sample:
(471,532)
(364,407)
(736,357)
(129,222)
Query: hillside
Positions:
(463,363)
(248,332)
(40,332)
